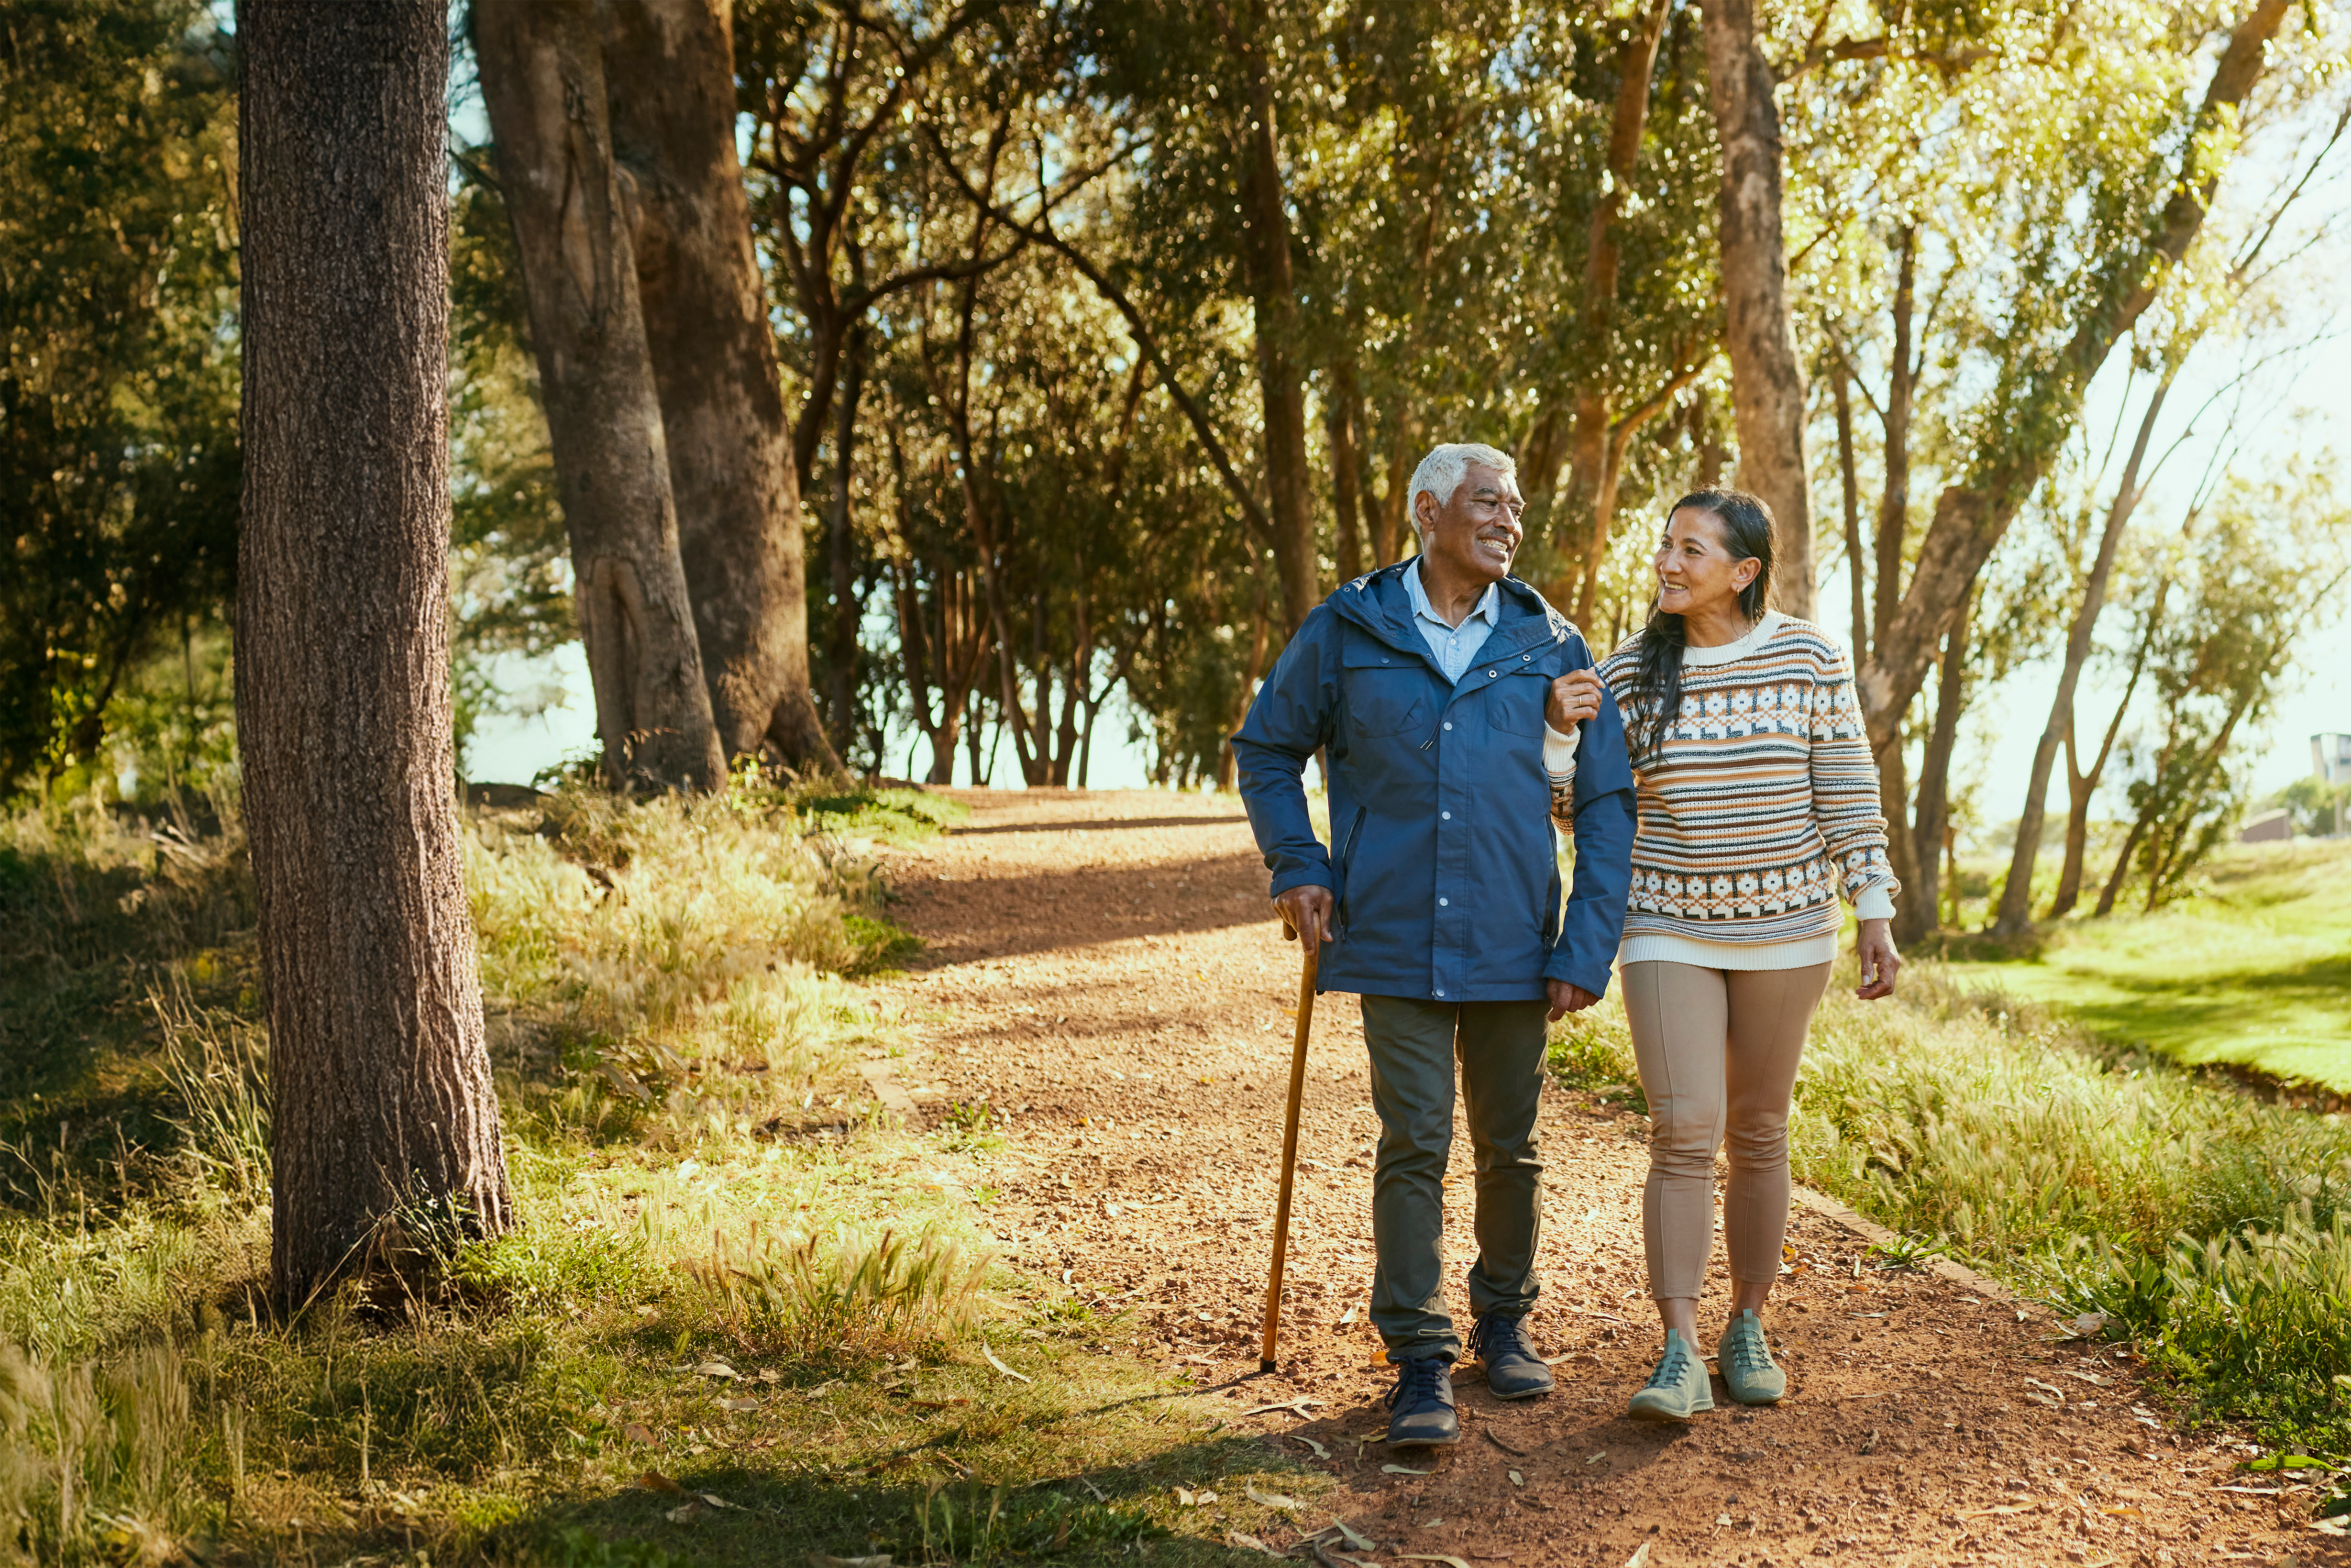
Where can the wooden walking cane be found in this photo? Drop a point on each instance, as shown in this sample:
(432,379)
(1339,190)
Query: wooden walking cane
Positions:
(1289,1148)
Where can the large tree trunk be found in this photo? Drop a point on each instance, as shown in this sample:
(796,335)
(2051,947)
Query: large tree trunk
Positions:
(669,69)
(2016,896)
(543,82)
(1856,570)
(1767,386)
(1921,908)
(1281,384)
(2035,420)
(384,1104)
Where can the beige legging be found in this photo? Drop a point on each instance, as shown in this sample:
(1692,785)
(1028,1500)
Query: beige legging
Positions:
(1717,1049)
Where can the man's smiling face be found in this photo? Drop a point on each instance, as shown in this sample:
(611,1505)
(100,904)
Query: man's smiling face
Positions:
(1477,531)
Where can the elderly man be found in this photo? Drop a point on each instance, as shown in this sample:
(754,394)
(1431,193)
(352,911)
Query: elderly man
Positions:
(1450,702)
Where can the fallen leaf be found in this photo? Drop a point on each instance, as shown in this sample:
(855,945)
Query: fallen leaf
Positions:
(1595,1459)
(1184,1497)
(716,1369)
(2003,1509)
(2089,1325)
(770,1374)
(1320,1451)
(654,1481)
(738,1404)
(1346,1317)
(1271,1499)
(714,1500)
(1432,1557)
(1235,1538)
(1348,1533)
(638,1432)
(686,1513)
(1640,1558)
(999,1366)
(1721,1519)
(1517,1479)
(1403,1470)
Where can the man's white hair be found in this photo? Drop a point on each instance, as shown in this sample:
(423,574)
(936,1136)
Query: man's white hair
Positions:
(1442,473)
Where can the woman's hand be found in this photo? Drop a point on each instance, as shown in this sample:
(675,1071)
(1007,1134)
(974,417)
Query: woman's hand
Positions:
(1575,697)
(1879,962)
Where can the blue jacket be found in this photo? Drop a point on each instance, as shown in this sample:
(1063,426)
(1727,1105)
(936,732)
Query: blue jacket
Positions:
(1446,880)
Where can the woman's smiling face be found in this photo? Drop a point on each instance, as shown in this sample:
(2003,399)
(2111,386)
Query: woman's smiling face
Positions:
(1697,573)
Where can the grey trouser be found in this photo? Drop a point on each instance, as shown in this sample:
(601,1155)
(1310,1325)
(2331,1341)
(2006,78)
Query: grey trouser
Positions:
(1414,1045)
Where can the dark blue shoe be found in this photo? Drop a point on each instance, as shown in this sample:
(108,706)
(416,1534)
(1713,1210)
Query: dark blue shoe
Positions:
(1423,1404)
(1513,1370)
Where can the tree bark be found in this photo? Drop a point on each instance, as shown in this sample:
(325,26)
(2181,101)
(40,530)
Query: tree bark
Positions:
(2016,895)
(1920,911)
(543,82)
(669,69)
(840,646)
(384,1104)
(1972,516)
(1901,390)
(2082,784)
(1281,385)
(1766,385)
(1594,456)
(1856,570)
(1341,414)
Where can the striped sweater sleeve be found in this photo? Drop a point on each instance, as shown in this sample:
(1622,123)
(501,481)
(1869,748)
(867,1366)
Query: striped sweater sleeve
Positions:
(1845,789)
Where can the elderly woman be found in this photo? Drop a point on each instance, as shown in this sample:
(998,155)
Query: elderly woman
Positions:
(1757,809)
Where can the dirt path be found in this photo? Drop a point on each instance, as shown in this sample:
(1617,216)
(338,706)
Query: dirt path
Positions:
(1112,977)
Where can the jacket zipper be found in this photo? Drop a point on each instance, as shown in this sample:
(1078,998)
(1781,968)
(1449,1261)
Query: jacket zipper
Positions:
(1347,863)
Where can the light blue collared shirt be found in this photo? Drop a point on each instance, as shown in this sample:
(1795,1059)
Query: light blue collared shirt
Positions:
(1455,648)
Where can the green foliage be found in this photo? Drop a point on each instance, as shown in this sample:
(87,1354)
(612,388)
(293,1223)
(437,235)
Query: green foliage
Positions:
(119,462)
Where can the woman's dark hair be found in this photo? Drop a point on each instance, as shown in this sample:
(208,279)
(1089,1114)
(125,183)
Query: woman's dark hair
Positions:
(1747,534)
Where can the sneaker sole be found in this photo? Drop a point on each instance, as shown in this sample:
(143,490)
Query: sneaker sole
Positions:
(1653,1413)
(1521,1394)
(1422,1442)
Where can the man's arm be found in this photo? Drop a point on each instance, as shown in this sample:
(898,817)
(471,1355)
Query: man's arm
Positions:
(1291,718)
(1604,819)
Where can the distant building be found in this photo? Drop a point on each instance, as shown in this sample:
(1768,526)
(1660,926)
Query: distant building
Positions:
(2330,758)
(2269,828)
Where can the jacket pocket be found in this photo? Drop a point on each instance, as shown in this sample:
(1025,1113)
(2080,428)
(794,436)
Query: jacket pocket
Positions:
(1515,704)
(1347,863)
(1385,692)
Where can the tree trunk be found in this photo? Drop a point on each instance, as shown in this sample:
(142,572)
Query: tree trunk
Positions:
(384,1104)
(840,646)
(669,69)
(1595,455)
(1901,388)
(543,83)
(1920,911)
(2082,784)
(1346,473)
(1274,300)
(2035,420)
(1767,386)
(1855,570)
(2016,895)
(1226,763)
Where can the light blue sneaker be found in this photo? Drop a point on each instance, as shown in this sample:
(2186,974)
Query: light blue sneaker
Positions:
(1679,1389)
(1749,1373)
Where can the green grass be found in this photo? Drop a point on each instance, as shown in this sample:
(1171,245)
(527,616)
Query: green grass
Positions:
(2211,1226)
(733,1281)
(2253,971)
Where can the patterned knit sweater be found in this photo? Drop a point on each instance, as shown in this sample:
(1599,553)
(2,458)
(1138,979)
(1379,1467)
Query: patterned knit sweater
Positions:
(1761,806)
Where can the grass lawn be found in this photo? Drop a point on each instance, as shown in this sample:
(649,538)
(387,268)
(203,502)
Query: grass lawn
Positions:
(2254,972)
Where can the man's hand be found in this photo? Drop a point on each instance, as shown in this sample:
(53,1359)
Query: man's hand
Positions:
(1306,915)
(1575,697)
(1566,999)
(1879,962)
